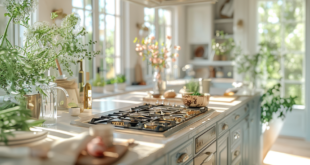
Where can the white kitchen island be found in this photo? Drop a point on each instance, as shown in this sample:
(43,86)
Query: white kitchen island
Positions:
(232,132)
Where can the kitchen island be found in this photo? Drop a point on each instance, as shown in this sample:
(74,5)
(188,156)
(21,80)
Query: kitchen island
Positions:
(228,136)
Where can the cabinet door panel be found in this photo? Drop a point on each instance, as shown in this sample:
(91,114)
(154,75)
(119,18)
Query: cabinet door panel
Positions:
(222,150)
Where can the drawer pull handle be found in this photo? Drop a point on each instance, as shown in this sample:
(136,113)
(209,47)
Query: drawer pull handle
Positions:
(237,117)
(183,158)
(236,136)
(236,153)
(225,127)
(209,157)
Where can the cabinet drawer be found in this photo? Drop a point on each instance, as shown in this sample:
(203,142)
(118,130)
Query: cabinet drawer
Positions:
(207,156)
(236,152)
(232,119)
(236,134)
(204,139)
(182,154)
(160,161)
(238,161)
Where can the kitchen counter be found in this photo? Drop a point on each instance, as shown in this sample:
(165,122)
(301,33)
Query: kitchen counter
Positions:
(147,149)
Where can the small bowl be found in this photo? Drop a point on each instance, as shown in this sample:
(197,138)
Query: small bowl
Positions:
(196,101)
(156,96)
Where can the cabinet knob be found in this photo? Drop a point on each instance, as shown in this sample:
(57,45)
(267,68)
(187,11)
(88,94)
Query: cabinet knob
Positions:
(183,158)
(237,117)
(209,157)
(236,153)
(245,109)
(236,136)
(225,127)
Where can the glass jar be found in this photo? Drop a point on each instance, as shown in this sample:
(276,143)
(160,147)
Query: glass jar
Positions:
(159,81)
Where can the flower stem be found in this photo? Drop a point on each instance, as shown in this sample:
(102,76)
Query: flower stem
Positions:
(5,32)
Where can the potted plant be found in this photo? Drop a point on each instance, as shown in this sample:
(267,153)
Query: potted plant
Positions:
(159,56)
(98,84)
(22,69)
(110,85)
(222,49)
(191,96)
(120,82)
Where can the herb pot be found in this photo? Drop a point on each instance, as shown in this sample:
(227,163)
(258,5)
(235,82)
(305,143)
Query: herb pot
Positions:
(109,88)
(121,86)
(196,101)
(98,89)
(217,57)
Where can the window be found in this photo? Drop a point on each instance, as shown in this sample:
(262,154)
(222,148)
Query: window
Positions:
(283,21)
(105,29)
(84,9)
(160,25)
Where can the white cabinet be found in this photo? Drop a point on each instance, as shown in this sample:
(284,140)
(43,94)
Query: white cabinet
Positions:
(222,150)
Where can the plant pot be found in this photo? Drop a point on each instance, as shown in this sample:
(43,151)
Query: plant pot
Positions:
(217,58)
(196,101)
(98,89)
(121,87)
(109,88)
(224,58)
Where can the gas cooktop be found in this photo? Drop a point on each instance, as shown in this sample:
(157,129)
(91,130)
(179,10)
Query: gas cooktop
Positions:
(158,120)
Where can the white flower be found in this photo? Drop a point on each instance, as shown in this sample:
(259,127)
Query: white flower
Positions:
(19,9)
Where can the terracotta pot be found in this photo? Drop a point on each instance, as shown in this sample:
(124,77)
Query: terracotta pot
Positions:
(196,101)
(217,58)
(224,57)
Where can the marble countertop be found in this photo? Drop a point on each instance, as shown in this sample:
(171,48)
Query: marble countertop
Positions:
(147,148)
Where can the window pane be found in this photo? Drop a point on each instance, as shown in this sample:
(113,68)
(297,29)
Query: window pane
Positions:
(294,66)
(294,10)
(295,90)
(81,14)
(149,14)
(295,37)
(88,4)
(89,27)
(101,32)
(110,6)
(78,3)
(270,32)
(101,6)
(118,65)
(110,27)
(161,34)
(269,11)
(161,15)
(110,73)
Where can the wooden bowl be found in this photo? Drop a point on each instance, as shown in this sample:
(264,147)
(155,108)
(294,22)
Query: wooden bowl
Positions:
(196,101)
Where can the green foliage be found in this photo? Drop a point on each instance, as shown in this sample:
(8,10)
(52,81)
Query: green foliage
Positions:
(196,94)
(99,81)
(263,67)
(14,118)
(192,86)
(120,79)
(110,81)
(272,103)
(224,47)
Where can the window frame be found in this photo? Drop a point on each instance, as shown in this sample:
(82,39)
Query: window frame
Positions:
(284,52)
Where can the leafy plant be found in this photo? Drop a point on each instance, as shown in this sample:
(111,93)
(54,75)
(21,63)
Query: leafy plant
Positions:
(225,47)
(261,68)
(272,103)
(24,67)
(192,86)
(99,81)
(14,118)
(110,81)
(120,79)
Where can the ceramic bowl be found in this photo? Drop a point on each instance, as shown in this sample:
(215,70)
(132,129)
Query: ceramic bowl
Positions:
(196,101)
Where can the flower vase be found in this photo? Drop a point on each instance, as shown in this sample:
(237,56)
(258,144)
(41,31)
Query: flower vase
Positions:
(159,82)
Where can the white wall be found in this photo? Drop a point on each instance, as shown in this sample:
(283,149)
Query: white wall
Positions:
(47,6)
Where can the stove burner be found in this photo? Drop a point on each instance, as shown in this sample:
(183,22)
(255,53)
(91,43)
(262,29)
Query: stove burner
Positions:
(158,118)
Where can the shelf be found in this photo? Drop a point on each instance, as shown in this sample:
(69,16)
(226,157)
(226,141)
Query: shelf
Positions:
(211,63)
(229,20)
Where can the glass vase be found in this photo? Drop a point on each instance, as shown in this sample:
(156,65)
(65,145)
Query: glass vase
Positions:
(159,81)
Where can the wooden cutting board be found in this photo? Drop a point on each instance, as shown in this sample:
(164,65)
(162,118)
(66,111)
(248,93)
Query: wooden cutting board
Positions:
(112,155)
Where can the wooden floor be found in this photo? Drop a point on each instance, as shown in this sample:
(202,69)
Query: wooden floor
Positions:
(289,151)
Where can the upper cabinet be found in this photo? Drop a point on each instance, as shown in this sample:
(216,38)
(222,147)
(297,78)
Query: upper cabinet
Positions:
(199,24)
